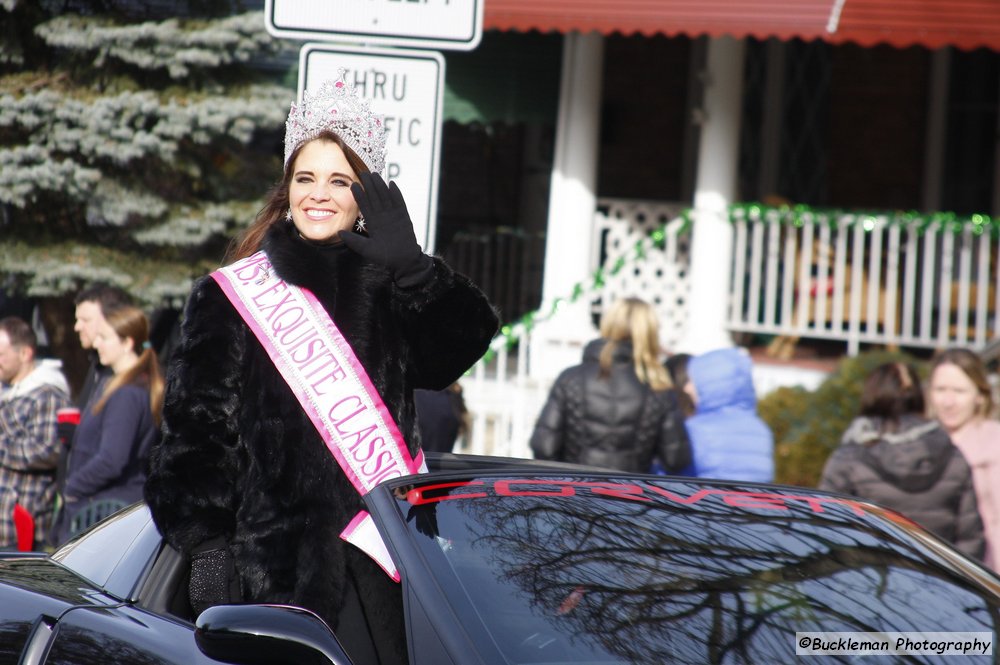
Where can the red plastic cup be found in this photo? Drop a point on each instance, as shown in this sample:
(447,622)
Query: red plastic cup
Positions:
(68,416)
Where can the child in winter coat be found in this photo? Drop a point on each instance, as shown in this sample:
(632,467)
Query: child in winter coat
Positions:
(728,439)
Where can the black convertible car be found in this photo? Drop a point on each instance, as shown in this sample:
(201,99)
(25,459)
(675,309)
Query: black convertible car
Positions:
(505,561)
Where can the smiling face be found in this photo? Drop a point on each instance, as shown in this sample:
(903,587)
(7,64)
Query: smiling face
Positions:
(319,194)
(954,397)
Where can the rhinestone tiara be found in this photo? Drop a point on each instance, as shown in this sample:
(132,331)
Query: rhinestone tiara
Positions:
(338,107)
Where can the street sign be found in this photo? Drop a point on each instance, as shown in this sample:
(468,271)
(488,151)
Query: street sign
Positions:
(407,87)
(430,24)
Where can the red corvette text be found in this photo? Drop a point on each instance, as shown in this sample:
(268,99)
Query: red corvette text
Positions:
(637,491)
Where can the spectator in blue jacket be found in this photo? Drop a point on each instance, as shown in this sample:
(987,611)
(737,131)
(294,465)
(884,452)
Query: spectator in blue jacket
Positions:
(728,439)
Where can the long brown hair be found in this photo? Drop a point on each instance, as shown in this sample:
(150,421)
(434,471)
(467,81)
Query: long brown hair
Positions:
(634,320)
(276,206)
(891,391)
(130,323)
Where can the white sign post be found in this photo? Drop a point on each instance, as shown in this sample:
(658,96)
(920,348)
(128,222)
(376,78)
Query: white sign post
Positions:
(407,87)
(430,24)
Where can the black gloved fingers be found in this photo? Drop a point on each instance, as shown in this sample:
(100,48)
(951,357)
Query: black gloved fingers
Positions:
(396,196)
(377,191)
(362,199)
(373,197)
(391,239)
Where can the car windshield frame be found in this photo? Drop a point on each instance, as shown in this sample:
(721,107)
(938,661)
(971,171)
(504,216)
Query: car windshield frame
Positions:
(115,554)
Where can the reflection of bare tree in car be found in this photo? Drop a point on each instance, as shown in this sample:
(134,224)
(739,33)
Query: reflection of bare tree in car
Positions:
(81,647)
(651,582)
(72,644)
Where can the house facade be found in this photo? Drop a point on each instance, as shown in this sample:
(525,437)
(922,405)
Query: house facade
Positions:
(814,123)
(802,109)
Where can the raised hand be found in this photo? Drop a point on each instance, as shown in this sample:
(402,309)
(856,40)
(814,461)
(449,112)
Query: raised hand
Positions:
(391,241)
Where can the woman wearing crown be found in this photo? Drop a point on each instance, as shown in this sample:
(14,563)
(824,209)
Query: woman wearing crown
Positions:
(291,392)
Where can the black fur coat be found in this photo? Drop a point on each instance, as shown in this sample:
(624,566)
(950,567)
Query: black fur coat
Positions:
(240,460)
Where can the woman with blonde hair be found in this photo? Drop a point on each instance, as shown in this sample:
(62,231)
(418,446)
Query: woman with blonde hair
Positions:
(960,397)
(112,443)
(617,409)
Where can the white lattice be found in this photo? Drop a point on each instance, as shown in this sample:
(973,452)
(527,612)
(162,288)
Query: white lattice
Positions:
(661,277)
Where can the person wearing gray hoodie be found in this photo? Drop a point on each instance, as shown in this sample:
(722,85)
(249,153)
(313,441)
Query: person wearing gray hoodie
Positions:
(32,391)
(893,456)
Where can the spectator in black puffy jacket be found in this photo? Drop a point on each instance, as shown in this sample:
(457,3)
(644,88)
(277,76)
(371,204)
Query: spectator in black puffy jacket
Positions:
(617,409)
(893,456)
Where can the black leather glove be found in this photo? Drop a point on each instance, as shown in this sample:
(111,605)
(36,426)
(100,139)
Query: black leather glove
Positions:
(213,578)
(391,241)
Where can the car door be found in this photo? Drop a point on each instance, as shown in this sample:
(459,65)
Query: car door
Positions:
(49,615)
(116,633)
(85,603)
(32,587)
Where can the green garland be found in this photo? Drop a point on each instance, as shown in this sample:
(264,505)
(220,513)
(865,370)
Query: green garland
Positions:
(796,215)
(511,333)
(800,215)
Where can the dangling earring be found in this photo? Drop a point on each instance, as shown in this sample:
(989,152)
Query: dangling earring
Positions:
(359,224)
(288,215)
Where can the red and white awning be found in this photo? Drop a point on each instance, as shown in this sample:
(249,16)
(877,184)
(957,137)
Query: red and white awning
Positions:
(965,24)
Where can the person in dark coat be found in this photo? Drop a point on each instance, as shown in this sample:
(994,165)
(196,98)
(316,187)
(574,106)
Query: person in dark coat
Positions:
(676,366)
(894,456)
(442,417)
(116,433)
(617,409)
(242,480)
(91,304)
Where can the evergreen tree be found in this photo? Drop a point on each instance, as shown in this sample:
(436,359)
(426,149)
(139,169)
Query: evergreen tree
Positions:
(133,144)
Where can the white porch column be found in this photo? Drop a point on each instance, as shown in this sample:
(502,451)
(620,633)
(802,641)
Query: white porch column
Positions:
(715,189)
(558,342)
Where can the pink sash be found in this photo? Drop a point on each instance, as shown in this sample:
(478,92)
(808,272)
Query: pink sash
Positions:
(333,388)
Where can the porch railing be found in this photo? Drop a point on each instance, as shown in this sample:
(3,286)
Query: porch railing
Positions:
(857,278)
